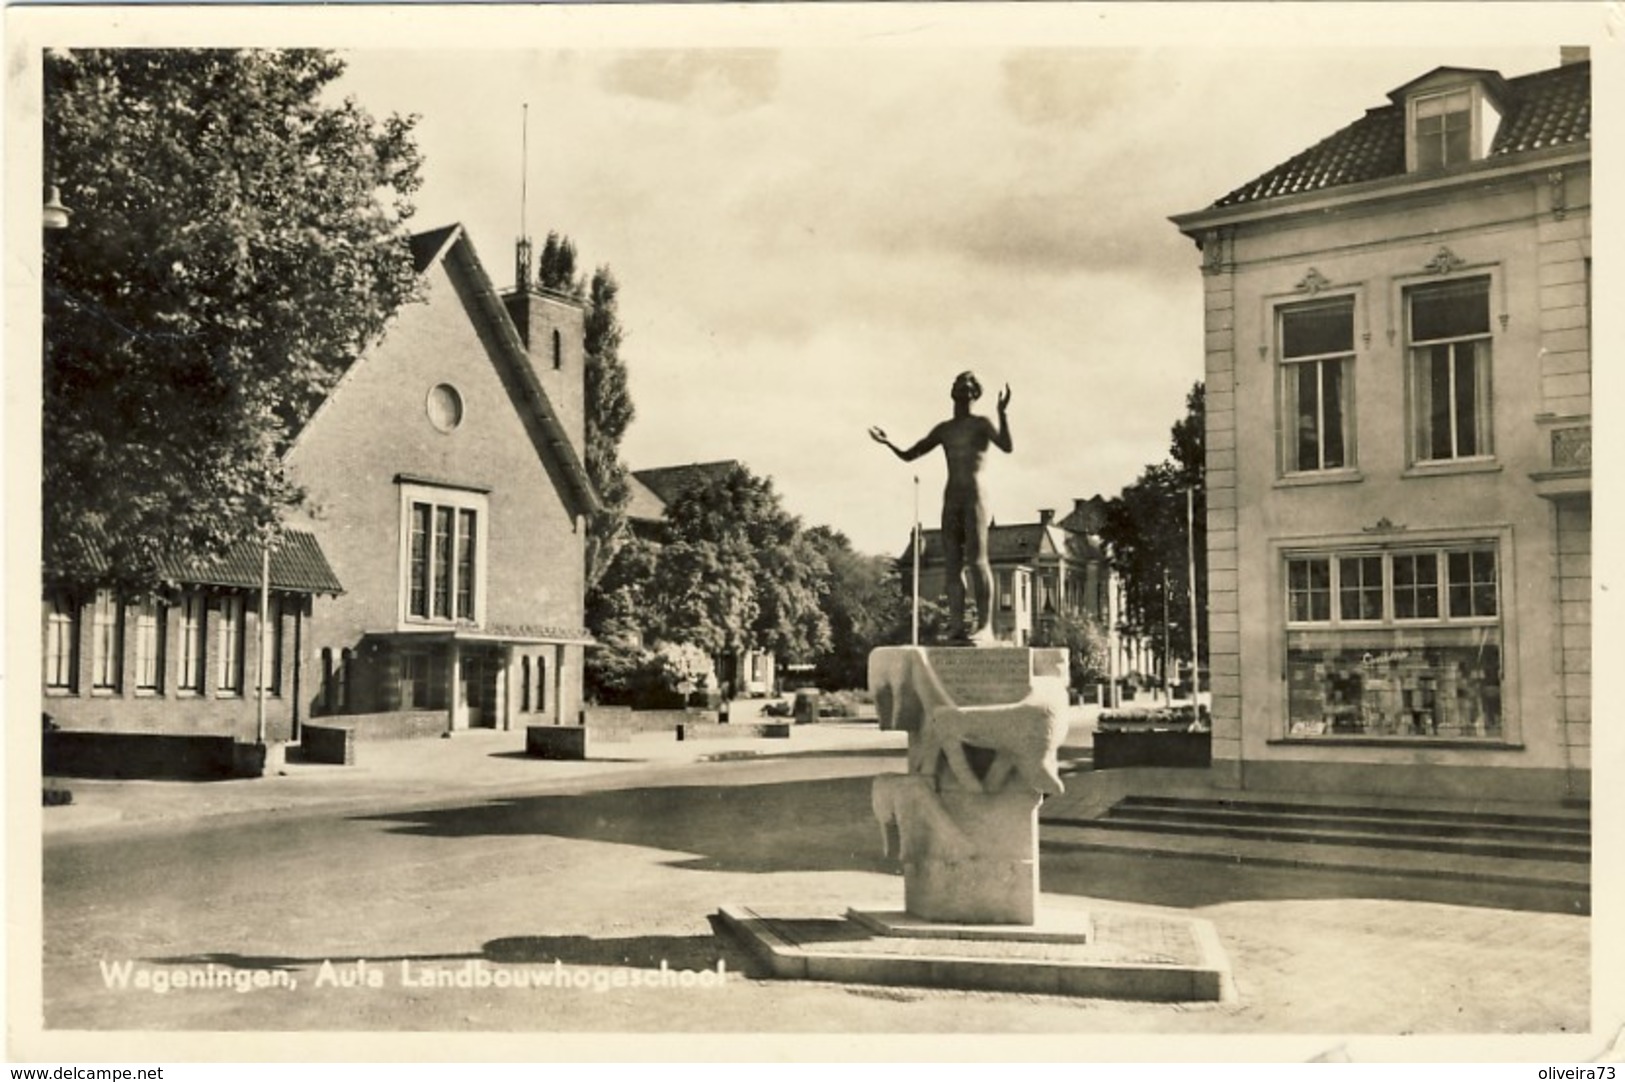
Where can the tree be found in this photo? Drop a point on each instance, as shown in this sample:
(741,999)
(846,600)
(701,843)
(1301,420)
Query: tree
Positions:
(737,573)
(1147,531)
(556,270)
(237,239)
(1085,641)
(609,412)
(862,600)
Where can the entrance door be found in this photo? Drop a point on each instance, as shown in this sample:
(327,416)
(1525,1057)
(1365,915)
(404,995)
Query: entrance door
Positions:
(480,671)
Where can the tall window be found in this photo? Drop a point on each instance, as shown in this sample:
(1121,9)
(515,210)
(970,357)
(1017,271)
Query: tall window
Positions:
(1317,374)
(442,562)
(558,350)
(61,643)
(229,646)
(524,684)
(1397,643)
(190,670)
(1444,130)
(1450,369)
(106,642)
(150,617)
(271,646)
(465,564)
(418,602)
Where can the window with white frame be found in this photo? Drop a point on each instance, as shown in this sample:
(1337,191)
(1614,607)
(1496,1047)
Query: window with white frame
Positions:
(1394,642)
(444,556)
(150,617)
(106,643)
(1443,129)
(61,643)
(1317,386)
(229,646)
(1449,336)
(189,672)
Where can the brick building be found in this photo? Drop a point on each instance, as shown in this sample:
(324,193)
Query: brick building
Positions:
(445,482)
(1398,360)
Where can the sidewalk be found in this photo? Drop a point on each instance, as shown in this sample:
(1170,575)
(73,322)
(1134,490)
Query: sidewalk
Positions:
(471,761)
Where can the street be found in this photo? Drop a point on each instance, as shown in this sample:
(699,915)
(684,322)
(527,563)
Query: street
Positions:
(592,890)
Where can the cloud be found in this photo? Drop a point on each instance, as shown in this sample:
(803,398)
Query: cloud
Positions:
(724,80)
(1070,88)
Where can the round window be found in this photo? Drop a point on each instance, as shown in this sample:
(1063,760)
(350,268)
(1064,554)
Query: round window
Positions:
(445,407)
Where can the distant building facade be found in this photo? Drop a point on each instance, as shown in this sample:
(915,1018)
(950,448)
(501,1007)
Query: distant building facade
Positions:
(1042,571)
(445,481)
(1398,360)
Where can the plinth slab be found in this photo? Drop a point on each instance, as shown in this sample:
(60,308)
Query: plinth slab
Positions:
(1049,927)
(1134,954)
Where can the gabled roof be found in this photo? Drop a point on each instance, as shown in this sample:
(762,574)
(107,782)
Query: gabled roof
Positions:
(298,565)
(451,245)
(1015,544)
(1543,109)
(666,483)
(642,505)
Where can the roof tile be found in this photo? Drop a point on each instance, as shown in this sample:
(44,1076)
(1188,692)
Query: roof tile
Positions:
(1545,109)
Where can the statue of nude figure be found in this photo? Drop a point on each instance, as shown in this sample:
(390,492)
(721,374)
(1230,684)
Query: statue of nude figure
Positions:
(964,439)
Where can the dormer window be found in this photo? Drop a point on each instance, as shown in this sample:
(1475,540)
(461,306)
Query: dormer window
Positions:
(1451,115)
(1444,130)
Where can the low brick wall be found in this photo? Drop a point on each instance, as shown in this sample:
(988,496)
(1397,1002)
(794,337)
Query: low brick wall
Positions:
(706,730)
(328,744)
(556,741)
(392,725)
(143,755)
(643,721)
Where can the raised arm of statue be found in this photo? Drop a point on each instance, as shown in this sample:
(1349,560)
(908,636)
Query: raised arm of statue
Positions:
(1001,439)
(925,446)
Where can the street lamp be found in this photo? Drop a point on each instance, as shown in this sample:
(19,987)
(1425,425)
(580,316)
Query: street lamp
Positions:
(56,215)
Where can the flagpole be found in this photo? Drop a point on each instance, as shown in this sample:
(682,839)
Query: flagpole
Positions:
(915,625)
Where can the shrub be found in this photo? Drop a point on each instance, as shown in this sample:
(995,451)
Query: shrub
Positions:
(1177,718)
(55,797)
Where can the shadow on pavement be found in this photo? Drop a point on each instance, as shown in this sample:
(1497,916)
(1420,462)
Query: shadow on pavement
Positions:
(828,825)
(694,952)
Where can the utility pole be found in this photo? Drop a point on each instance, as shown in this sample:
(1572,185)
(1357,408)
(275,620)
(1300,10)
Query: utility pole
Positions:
(915,634)
(1190,552)
(1167,686)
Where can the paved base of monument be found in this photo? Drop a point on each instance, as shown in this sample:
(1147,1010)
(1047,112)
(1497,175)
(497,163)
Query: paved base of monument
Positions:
(1098,952)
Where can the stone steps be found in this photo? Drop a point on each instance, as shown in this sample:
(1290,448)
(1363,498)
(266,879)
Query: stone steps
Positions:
(1506,847)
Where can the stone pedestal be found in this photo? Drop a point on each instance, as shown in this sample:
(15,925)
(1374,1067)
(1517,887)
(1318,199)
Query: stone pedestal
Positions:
(998,883)
(984,726)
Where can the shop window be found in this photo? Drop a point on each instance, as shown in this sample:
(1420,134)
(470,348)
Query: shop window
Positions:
(1317,386)
(1450,370)
(61,643)
(1382,657)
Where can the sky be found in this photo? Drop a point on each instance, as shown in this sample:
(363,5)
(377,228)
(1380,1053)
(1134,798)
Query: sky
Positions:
(812,238)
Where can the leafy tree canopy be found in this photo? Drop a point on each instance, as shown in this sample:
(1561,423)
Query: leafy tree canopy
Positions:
(237,239)
(738,573)
(1146,528)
